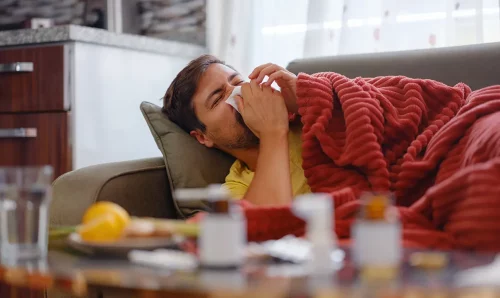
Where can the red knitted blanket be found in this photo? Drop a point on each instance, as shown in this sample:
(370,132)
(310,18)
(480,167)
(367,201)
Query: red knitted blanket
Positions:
(436,147)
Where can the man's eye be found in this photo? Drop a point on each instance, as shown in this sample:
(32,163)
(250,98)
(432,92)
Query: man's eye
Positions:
(239,83)
(216,101)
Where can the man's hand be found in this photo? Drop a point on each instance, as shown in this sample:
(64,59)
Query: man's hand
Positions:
(287,81)
(263,110)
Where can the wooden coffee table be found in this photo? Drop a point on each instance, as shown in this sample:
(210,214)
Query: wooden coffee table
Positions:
(82,276)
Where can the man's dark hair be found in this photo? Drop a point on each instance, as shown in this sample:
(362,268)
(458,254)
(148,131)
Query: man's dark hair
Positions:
(178,100)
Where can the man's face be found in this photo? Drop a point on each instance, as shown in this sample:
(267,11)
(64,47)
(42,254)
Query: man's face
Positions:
(225,128)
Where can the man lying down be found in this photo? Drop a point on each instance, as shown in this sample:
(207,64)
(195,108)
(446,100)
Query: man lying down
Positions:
(436,147)
(266,146)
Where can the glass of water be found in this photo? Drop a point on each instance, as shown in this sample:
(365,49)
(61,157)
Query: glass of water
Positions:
(25,194)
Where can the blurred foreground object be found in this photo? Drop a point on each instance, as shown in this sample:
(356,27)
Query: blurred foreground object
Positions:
(25,194)
(429,260)
(377,237)
(223,232)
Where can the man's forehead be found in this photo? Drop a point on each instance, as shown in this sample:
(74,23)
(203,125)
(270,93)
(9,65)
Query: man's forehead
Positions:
(215,74)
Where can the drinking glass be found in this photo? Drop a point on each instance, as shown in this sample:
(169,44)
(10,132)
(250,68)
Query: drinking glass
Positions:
(25,194)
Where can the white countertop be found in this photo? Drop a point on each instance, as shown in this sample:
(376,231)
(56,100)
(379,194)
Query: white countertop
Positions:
(98,36)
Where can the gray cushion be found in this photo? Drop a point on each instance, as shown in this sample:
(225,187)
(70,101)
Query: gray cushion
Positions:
(188,163)
(475,65)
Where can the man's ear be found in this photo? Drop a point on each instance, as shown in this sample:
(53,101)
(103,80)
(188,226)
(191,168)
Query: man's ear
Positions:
(202,138)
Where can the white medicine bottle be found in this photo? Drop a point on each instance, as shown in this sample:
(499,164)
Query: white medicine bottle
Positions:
(223,231)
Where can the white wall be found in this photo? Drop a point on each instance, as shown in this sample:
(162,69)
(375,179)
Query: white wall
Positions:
(110,84)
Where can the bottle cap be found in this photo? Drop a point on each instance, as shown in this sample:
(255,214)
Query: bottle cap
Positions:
(377,207)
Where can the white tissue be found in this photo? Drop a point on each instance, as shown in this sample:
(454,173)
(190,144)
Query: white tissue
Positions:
(231,101)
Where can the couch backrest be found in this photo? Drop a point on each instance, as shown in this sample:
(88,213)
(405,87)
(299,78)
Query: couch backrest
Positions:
(475,65)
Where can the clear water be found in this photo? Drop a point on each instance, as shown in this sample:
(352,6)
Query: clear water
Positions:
(23,222)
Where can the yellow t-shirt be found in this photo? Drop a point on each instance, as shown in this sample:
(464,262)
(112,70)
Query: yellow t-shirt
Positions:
(239,177)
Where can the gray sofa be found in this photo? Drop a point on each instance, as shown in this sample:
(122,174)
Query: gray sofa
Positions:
(141,186)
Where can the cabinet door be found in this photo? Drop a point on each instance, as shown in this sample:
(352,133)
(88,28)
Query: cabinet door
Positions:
(35,139)
(33,79)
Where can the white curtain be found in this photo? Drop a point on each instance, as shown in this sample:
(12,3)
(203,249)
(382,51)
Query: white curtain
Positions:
(246,33)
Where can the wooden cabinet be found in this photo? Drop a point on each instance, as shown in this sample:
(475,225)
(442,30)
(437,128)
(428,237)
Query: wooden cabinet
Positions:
(33,79)
(30,139)
(34,108)
(81,100)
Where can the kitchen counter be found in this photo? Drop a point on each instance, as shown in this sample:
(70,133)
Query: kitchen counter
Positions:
(82,93)
(98,36)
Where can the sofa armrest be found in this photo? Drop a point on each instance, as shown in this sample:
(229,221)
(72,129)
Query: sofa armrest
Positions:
(139,186)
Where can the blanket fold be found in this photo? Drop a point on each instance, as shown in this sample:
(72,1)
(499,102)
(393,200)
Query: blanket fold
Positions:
(436,147)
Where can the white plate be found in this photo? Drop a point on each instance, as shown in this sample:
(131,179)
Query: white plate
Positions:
(119,248)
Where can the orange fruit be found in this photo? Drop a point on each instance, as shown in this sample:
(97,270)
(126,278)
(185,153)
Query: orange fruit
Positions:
(102,208)
(103,222)
(102,229)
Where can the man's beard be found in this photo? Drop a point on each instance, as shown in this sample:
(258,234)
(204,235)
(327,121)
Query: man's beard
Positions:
(246,140)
